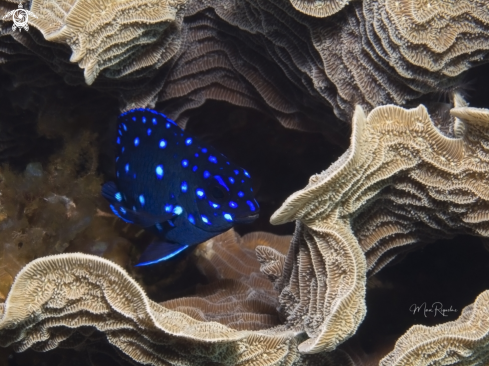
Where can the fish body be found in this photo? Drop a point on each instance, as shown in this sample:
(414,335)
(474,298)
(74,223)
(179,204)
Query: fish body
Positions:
(174,185)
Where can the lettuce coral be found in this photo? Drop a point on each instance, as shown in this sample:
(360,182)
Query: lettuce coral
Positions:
(401,182)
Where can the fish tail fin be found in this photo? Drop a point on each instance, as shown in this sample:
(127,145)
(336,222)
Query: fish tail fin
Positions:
(158,252)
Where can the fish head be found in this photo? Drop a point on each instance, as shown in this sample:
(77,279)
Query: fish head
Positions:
(224,196)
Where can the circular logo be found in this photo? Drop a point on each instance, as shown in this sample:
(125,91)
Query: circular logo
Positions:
(20,18)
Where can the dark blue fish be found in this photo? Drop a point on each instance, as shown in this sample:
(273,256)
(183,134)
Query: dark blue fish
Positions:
(175,185)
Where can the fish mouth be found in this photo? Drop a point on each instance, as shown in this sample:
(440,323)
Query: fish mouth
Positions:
(246,219)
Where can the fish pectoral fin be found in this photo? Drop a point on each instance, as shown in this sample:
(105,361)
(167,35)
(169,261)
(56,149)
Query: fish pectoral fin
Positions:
(158,252)
(109,191)
(146,219)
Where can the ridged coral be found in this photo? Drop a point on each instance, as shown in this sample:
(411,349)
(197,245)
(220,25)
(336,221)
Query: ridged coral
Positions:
(401,182)
(69,291)
(320,280)
(121,36)
(267,55)
(238,295)
(462,342)
(78,300)
(321,8)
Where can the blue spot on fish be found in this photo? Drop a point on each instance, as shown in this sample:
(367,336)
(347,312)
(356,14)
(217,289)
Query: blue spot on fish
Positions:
(228,217)
(214,205)
(252,206)
(159,171)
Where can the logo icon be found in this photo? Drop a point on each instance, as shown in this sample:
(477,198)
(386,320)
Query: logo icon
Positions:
(20,17)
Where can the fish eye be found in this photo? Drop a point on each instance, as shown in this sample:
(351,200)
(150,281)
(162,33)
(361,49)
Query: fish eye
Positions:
(218,192)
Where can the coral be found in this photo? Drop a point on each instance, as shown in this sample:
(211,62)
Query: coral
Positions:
(322,8)
(121,36)
(274,56)
(434,35)
(44,208)
(461,342)
(53,206)
(426,43)
(401,182)
(239,295)
(69,291)
(224,62)
(79,301)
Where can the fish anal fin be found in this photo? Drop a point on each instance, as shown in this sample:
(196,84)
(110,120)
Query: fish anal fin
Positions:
(158,252)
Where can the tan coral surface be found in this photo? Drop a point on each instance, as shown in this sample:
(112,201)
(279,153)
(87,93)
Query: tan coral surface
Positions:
(120,35)
(275,56)
(239,295)
(400,182)
(68,291)
(462,342)
(319,8)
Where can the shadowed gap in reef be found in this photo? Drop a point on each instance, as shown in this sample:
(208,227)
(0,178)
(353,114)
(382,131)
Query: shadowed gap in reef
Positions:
(280,160)
(447,273)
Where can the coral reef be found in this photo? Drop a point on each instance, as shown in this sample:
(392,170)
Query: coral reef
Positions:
(53,205)
(401,182)
(274,56)
(410,176)
(71,291)
(461,342)
(43,209)
(322,8)
(238,295)
(318,282)
(121,36)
